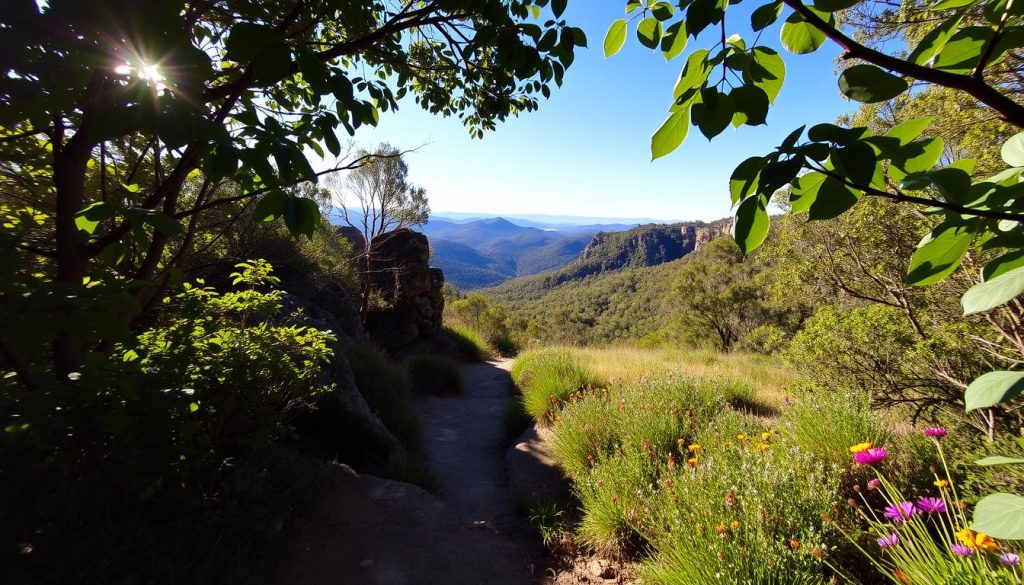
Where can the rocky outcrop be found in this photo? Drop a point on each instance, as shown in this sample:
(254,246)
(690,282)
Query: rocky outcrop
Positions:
(700,235)
(406,300)
(354,237)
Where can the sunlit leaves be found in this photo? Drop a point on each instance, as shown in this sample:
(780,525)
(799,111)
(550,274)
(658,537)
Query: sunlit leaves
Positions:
(751,105)
(833,198)
(671,134)
(743,180)
(649,32)
(673,42)
(963,50)
(992,293)
(616,37)
(910,130)
(933,42)
(765,15)
(1013,150)
(993,388)
(869,84)
(750,227)
(703,13)
(940,252)
(800,37)
(767,71)
(856,161)
(1000,516)
(714,113)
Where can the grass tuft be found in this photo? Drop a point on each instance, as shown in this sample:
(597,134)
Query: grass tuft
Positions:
(434,375)
(547,378)
(385,385)
(468,345)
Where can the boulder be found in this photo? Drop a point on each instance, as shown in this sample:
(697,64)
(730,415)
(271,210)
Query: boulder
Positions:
(408,303)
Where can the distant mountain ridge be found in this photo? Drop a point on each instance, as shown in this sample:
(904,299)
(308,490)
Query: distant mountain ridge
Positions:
(640,247)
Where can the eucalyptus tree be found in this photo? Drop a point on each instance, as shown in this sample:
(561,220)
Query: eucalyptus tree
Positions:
(120,120)
(969,47)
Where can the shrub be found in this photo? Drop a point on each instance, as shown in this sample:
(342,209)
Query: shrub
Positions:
(434,374)
(468,345)
(385,386)
(547,378)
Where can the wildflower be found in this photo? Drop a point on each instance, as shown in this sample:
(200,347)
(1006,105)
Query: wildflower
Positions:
(860,447)
(672,463)
(961,550)
(692,462)
(668,482)
(872,456)
(976,540)
(720,529)
(735,524)
(874,484)
(741,437)
(851,502)
(902,577)
(889,540)
(1010,559)
(935,432)
(900,511)
(760,515)
(931,505)
(787,401)
(695,448)
(730,499)
(679,443)
(615,499)
(817,552)
(762,447)
(766,435)
(794,544)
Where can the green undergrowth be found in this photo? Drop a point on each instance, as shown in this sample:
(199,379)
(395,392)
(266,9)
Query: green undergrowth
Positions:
(386,387)
(709,479)
(469,346)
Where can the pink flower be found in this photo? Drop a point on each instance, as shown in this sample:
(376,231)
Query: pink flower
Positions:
(889,540)
(961,550)
(1010,559)
(874,484)
(872,456)
(936,432)
(900,511)
(931,505)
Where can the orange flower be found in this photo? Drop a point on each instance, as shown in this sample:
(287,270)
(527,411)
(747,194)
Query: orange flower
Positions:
(860,447)
(672,463)
(692,462)
(794,544)
(902,577)
(977,540)
(941,484)
(720,529)
(695,448)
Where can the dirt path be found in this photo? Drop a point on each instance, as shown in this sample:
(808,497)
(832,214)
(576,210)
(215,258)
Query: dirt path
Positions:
(369,531)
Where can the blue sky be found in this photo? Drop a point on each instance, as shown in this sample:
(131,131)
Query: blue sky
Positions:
(587,150)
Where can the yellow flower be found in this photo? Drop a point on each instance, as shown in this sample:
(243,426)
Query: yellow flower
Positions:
(680,442)
(695,448)
(763,447)
(692,462)
(976,540)
(735,524)
(766,435)
(860,447)
(741,437)
(941,484)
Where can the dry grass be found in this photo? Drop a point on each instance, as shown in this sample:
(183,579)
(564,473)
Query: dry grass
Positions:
(623,364)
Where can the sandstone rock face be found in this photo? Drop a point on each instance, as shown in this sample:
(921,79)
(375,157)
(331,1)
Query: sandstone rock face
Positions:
(409,302)
(701,235)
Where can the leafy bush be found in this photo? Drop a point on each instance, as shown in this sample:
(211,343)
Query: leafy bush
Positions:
(434,374)
(547,378)
(488,321)
(135,469)
(385,385)
(468,345)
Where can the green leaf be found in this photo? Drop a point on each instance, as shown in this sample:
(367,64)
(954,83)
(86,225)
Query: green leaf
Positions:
(270,207)
(558,7)
(673,42)
(962,52)
(1003,264)
(935,40)
(751,103)
(90,216)
(992,293)
(702,13)
(908,131)
(765,15)
(714,112)
(805,191)
(615,38)
(649,32)
(662,10)
(194,406)
(301,216)
(751,225)
(314,72)
(768,71)
(800,37)
(917,157)
(993,388)
(743,180)
(831,133)
(999,460)
(1013,150)
(694,73)
(159,220)
(1000,516)
(869,84)
(246,40)
(856,161)
(671,134)
(940,252)
(834,198)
